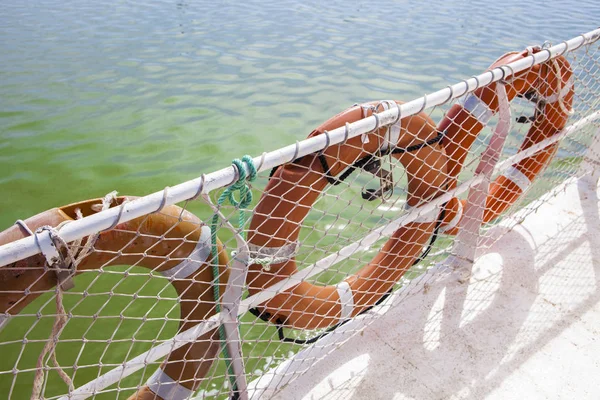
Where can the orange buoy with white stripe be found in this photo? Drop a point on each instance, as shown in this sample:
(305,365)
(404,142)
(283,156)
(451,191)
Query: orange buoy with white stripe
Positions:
(550,86)
(294,188)
(173,243)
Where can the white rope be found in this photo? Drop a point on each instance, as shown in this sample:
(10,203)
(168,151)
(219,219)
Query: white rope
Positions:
(266,256)
(392,135)
(48,247)
(190,335)
(23,248)
(282,155)
(560,93)
(50,347)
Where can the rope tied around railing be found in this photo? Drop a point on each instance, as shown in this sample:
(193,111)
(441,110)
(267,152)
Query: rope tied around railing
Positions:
(65,267)
(265,256)
(245,199)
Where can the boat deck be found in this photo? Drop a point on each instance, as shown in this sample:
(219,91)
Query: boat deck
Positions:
(525,324)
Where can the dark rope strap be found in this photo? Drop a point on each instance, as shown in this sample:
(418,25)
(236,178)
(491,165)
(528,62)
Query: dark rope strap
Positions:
(360,163)
(336,181)
(279,323)
(415,147)
(539,104)
(365,160)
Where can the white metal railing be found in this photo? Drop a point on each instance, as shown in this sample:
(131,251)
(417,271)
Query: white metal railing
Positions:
(78,229)
(277,378)
(27,247)
(320,266)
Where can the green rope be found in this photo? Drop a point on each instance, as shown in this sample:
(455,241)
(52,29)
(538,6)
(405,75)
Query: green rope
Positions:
(244,201)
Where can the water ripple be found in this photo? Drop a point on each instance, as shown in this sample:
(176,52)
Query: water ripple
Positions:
(141,95)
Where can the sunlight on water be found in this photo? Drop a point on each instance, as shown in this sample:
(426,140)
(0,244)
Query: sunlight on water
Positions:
(135,96)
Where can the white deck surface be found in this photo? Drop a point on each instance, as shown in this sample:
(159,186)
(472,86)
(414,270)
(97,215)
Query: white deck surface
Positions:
(525,325)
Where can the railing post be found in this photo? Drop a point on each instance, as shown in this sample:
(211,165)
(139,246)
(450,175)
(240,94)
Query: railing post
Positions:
(230,305)
(467,240)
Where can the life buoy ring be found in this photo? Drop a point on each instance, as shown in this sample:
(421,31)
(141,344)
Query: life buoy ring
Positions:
(173,243)
(550,86)
(294,188)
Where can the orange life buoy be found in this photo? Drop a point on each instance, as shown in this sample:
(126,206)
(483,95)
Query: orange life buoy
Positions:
(550,85)
(174,243)
(294,188)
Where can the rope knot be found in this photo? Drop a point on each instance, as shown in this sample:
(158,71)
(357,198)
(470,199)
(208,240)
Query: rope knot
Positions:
(52,246)
(245,200)
(241,185)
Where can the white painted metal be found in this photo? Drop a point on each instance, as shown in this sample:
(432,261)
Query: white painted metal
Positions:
(322,265)
(230,302)
(230,311)
(26,247)
(569,130)
(466,242)
(524,326)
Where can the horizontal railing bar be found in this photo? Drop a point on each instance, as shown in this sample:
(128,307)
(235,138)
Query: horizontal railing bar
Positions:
(277,377)
(322,265)
(27,247)
(546,142)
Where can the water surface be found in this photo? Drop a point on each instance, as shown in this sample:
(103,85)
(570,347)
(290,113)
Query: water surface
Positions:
(133,96)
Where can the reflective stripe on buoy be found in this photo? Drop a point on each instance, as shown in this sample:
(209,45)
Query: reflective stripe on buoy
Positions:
(346,300)
(517,177)
(198,256)
(164,386)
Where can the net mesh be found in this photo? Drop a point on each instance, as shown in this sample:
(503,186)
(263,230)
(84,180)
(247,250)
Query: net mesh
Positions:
(336,232)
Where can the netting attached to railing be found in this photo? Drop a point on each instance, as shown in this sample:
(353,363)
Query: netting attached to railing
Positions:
(120,297)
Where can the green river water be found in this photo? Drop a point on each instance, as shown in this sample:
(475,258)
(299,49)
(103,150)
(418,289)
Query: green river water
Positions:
(134,96)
